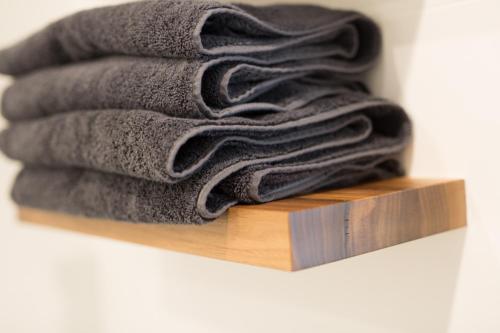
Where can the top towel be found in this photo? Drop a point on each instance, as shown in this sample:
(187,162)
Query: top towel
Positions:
(199,29)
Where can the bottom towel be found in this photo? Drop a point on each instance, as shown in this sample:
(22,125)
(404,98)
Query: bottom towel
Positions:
(105,195)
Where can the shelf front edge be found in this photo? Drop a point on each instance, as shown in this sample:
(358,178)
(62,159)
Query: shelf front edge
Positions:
(298,232)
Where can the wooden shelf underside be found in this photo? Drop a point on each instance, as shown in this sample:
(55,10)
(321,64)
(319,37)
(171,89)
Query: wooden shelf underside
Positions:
(298,232)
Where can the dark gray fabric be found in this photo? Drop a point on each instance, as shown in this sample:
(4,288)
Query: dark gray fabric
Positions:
(187,88)
(264,179)
(95,194)
(153,146)
(195,29)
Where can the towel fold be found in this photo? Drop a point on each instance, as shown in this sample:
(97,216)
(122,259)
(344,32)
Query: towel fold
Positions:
(153,146)
(199,29)
(176,87)
(103,195)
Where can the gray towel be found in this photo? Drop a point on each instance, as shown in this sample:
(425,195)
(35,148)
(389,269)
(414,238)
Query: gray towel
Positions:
(153,146)
(94,194)
(187,88)
(198,29)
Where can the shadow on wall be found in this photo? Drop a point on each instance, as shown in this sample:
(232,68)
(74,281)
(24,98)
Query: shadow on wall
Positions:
(378,292)
(399,21)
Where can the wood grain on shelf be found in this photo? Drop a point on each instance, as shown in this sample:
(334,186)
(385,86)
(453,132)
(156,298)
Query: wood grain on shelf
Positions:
(298,232)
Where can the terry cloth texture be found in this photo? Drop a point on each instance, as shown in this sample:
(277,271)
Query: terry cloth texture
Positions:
(153,146)
(103,195)
(199,29)
(187,88)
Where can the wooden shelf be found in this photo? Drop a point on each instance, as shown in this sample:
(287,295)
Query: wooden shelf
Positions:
(299,232)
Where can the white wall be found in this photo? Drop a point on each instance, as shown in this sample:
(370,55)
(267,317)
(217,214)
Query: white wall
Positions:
(441,62)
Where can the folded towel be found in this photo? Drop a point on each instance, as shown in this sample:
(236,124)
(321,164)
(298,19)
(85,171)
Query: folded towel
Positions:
(187,88)
(103,195)
(153,146)
(196,29)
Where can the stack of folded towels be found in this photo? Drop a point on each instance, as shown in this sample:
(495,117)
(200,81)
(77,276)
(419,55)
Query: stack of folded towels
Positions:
(172,111)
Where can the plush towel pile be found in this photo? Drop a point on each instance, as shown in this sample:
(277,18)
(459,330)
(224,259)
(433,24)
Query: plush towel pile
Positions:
(173,111)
